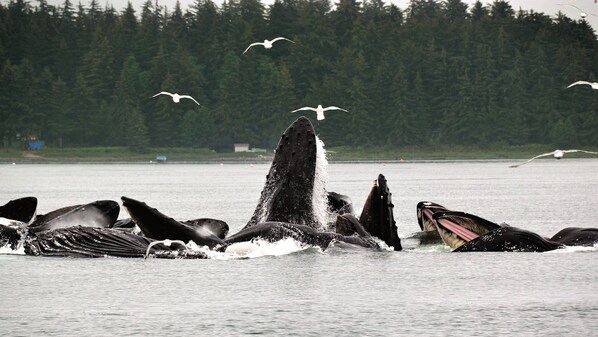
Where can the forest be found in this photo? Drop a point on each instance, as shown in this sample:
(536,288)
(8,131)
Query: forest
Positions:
(436,72)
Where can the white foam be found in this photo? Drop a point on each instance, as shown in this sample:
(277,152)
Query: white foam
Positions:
(253,249)
(11,222)
(575,249)
(6,250)
(320,197)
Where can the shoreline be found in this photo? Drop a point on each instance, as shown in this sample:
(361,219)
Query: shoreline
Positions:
(97,155)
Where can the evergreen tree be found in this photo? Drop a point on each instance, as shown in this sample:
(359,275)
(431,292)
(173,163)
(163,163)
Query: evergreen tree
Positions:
(434,74)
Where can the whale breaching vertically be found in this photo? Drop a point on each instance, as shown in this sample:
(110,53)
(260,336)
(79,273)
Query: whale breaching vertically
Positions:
(288,193)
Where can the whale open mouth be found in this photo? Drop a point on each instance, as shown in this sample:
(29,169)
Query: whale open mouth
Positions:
(462,232)
(457,228)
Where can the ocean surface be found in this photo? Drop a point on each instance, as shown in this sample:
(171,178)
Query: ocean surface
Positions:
(285,289)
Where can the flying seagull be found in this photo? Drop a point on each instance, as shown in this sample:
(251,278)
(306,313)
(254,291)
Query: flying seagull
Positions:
(558,154)
(581,13)
(166,243)
(267,43)
(594,85)
(320,110)
(176,97)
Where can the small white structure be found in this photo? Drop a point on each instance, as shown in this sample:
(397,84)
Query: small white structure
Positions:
(241,147)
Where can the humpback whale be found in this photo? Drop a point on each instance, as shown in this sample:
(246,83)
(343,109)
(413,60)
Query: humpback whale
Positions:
(100,213)
(288,194)
(465,232)
(377,215)
(43,218)
(340,203)
(509,239)
(217,227)
(425,211)
(347,224)
(456,228)
(99,242)
(576,236)
(289,207)
(9,236)
(22,209)
(276,231)
(158,226)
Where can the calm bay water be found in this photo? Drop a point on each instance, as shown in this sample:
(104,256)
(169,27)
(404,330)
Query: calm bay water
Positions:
(424,290)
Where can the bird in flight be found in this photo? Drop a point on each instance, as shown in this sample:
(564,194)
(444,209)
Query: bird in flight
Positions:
(594,85)
(320,110)
(267,43)
(558,154)
(176,97)
(581,13)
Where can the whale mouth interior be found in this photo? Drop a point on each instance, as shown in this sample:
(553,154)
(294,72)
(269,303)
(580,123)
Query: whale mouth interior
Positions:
(462,232)
(427,215)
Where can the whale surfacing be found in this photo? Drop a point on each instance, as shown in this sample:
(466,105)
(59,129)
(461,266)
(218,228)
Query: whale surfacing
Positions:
(22,209)
(377,215)
(158,226)
(100,213)
(288,192)
(465,232)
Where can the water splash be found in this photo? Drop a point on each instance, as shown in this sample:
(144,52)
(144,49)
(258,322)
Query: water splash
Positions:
(575,249)
(320,197)
(255,248)
(6,250)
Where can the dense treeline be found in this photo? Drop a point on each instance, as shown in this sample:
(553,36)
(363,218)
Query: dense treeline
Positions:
(437,72)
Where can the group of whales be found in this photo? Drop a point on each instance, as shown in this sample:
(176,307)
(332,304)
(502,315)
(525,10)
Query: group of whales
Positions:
(288,208)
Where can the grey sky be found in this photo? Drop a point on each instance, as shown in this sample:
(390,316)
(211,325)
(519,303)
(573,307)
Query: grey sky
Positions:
(550,7)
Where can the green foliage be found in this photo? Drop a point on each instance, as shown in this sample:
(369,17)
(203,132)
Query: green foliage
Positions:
(438,73)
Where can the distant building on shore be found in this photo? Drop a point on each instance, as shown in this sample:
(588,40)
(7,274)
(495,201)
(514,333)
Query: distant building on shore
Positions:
(244,147)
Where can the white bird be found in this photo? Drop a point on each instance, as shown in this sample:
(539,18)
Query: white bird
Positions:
(558,154)
(267,43)
(176,97)
(166,242)
(581,13)
(594,85)
(320,110)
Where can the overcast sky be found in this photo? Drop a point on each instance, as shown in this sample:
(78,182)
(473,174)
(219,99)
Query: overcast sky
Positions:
(550,7)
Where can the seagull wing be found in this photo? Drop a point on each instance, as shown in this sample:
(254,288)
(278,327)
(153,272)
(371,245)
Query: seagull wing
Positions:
(579,82)
(253,44)
(280,38)
(579,9)
(334,108)
(163,93)
(538,156)
(189,97)
(584,151)
(304,108)
(571,6)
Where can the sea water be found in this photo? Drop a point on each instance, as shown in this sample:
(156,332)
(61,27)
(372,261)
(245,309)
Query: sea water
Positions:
(292,290)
